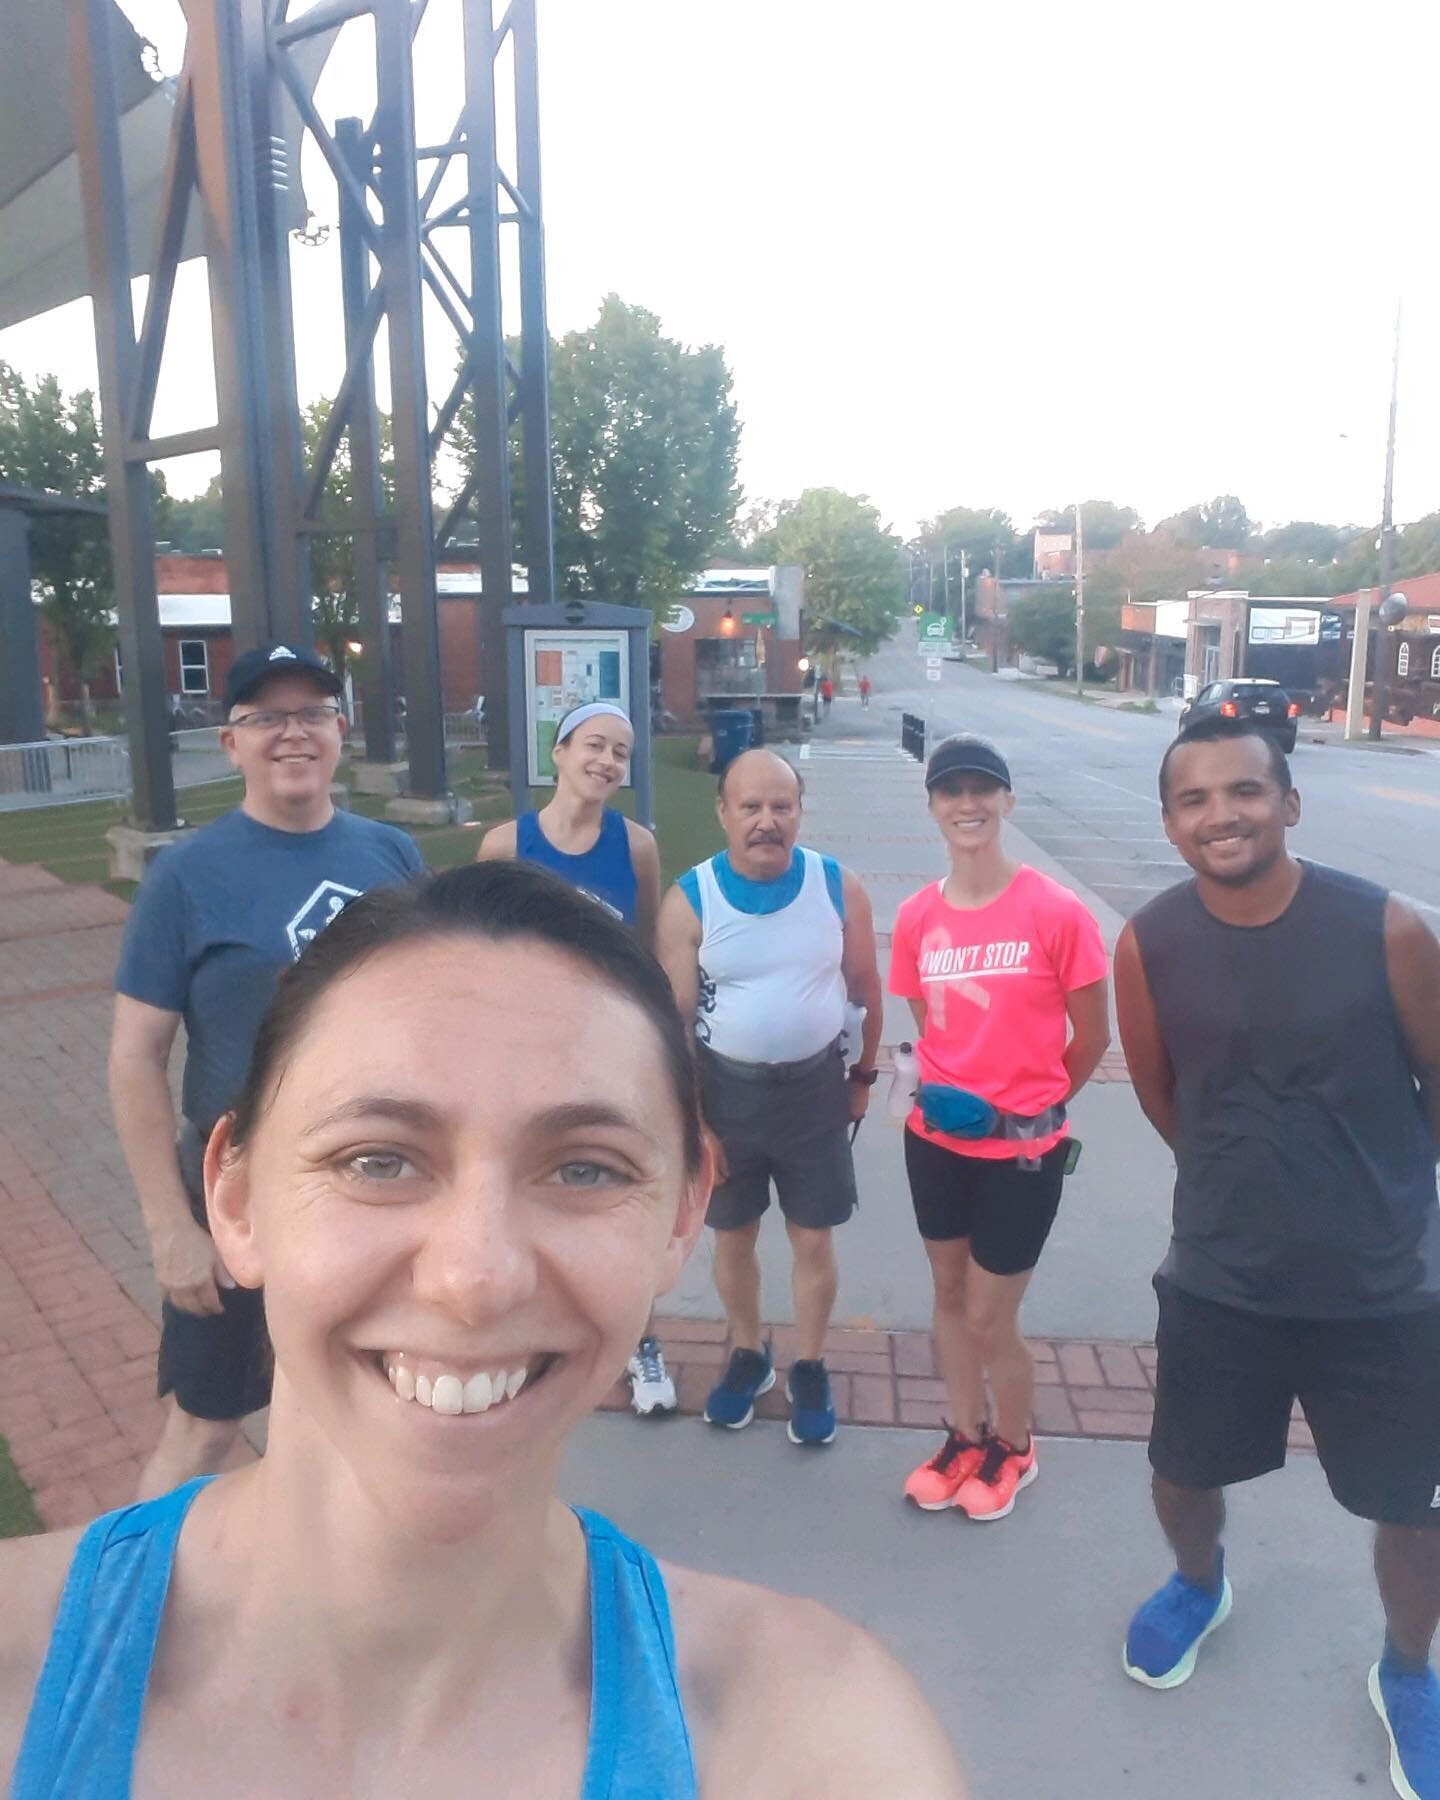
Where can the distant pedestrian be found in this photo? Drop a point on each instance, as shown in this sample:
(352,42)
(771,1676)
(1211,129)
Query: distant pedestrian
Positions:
(764,944)
(217,917)
(864,690)
(1281,1021)
(1005,972)
(827,694)
(614,860)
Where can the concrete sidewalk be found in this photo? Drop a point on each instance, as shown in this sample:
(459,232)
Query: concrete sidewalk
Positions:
(1014,1631)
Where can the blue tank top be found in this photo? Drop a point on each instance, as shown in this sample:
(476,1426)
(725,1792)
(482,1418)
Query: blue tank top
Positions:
(605,871)
(84,1720)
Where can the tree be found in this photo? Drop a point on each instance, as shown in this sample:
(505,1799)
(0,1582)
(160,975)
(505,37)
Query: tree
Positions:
(1305,539)
(854,569)
(1042,624)
(644,437)
(332,559)
(1218,524)
(197,523)
(982,532)
(1106,524)
(51,440)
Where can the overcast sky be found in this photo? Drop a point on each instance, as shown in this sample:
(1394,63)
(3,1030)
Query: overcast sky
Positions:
(965,253)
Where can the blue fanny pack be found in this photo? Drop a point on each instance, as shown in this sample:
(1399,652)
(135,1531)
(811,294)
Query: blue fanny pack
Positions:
(956,1111)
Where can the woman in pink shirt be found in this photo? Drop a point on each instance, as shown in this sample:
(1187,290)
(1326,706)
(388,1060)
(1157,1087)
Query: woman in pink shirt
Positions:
(1005,972)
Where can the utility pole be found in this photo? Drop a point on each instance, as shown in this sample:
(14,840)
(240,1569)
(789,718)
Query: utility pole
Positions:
(1387,551)
(964,619)
(945,565)
(1359,651)
(1079,601)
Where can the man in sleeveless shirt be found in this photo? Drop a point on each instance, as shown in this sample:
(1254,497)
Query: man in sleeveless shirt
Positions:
(1281,1021)
(764,945)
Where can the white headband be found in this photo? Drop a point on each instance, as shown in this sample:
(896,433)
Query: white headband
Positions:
(597,709)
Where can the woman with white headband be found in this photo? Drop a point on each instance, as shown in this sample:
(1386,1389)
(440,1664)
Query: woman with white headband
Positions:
(585,841)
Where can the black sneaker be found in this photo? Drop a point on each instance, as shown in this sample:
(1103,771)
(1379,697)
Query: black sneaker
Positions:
(812,1410)
(750,1374)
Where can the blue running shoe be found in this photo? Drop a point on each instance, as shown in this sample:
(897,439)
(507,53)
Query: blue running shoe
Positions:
(1409,1709)
(750,1374)
(1165,1635)
(812,1411)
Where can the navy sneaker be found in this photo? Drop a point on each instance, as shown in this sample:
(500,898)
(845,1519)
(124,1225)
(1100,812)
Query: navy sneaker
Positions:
(1409,1709)
(750,1374)
(1165,1635)
(812,1411)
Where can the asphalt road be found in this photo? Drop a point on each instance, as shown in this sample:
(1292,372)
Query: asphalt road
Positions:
(1085,782)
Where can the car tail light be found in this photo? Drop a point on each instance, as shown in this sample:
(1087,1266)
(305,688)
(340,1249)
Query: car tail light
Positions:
(1294,709)
(1229,710)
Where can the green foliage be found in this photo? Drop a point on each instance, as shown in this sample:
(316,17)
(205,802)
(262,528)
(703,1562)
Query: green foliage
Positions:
(1043,623)
(332,559)
(982,532)
(854,569)
(51,440)
(645,438)
(1106,524)
(195,524)
(1218,524)
(1305,541)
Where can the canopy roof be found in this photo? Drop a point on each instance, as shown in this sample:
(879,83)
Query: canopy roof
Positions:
(42,231)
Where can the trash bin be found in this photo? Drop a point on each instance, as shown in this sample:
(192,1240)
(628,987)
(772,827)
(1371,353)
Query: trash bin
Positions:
(732,731)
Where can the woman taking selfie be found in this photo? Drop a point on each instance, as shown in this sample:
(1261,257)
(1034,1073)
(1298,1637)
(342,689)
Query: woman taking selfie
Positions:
(1005,972)
(466,1157)
(585,841)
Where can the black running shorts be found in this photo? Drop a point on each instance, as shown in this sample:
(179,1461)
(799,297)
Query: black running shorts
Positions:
(1226,1382)
(793,1132)
(1004,1210)
(217,1365)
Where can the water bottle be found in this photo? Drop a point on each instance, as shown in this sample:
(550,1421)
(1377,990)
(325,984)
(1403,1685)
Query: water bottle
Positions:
(904,1082)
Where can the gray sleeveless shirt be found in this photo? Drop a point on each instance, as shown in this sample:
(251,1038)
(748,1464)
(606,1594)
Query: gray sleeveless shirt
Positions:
(1305,1170)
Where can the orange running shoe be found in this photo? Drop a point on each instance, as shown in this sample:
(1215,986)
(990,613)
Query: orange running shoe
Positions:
(934,1485)
(990,1492)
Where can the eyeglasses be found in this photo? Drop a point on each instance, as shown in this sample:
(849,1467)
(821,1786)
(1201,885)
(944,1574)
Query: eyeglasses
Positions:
(276,718)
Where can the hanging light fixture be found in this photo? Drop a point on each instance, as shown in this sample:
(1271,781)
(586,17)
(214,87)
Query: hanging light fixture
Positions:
(727,624)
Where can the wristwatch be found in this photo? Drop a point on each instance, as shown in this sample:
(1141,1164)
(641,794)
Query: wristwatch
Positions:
(865,1077)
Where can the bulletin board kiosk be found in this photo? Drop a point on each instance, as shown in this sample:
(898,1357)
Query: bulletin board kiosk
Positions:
(559,657)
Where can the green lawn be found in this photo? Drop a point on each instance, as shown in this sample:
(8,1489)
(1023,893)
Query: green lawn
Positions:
(70,840)
(17,1515)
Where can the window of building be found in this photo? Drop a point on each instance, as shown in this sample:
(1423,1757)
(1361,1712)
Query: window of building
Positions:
(1435,663)
(194,666)
(1402,661)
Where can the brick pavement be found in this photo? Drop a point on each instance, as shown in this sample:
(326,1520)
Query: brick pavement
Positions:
(78,1304)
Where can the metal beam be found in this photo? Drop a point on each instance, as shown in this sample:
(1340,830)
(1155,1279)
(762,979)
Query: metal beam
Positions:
(491,474)
(22,716)
(179,185)
(401,273)
(320,18)
(132,529)
(367,490)
(178,443)
(534,385)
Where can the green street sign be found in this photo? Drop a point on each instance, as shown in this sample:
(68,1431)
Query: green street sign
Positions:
(933,635)
(758,618)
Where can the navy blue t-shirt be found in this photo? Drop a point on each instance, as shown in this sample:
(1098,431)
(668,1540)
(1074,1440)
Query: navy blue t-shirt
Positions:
(219,915)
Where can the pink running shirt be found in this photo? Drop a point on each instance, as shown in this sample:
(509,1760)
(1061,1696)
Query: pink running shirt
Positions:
(994,981)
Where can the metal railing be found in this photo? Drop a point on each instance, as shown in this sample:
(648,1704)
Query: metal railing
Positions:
(60,771)
(912,735)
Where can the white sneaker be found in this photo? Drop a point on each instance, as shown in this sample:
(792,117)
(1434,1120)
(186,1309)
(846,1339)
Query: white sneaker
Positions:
(651,1389)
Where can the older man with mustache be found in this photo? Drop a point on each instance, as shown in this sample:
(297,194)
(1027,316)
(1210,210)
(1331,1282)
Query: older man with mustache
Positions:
(765,944)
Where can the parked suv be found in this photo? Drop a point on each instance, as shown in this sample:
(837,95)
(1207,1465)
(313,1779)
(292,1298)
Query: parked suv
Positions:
(1266,702)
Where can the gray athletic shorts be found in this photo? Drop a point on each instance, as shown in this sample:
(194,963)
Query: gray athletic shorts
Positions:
(789,1129)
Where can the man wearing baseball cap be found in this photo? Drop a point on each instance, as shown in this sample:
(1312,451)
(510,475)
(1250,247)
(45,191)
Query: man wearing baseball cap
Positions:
(217,917)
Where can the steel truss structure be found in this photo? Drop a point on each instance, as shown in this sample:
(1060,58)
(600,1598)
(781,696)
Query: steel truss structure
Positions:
(227,155)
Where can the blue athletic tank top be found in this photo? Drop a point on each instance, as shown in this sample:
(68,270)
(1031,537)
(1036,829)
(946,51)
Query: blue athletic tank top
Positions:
(84,1720)
(605,871)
